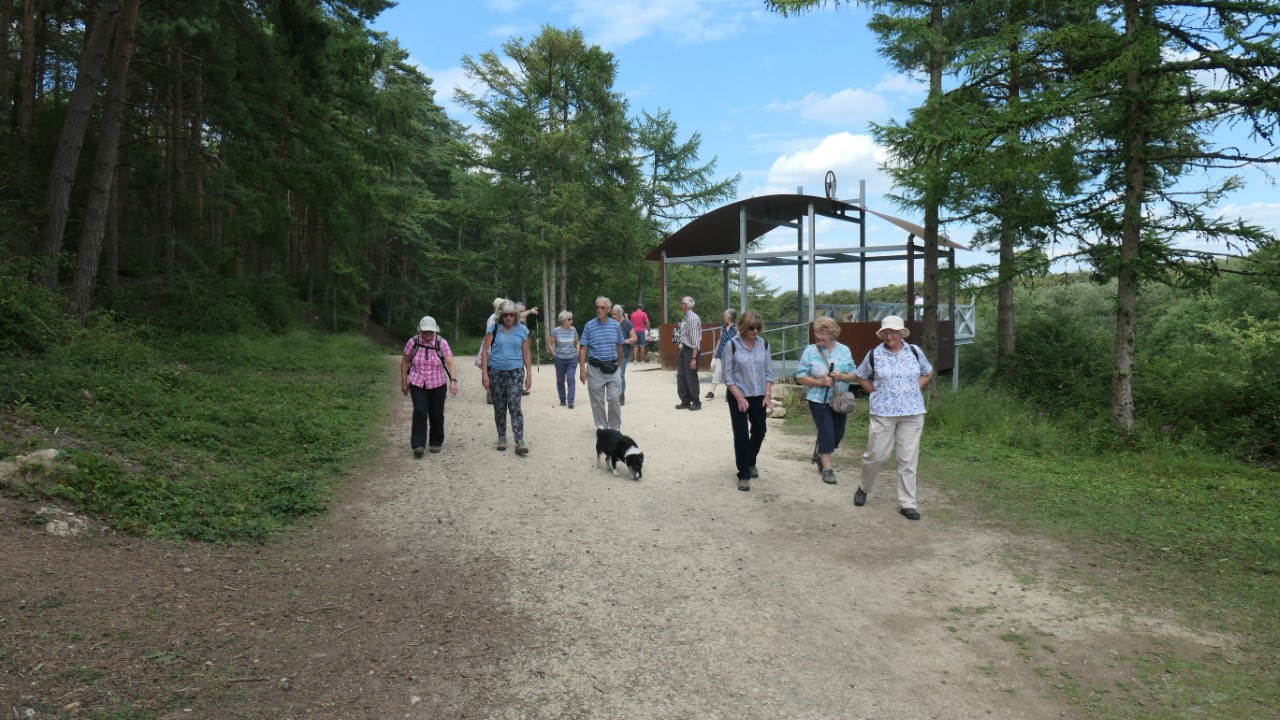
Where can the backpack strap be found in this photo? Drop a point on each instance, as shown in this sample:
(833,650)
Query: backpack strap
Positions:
(872,357)
(435,347)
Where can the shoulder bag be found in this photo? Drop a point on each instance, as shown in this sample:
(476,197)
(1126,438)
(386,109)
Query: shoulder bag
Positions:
(842,401)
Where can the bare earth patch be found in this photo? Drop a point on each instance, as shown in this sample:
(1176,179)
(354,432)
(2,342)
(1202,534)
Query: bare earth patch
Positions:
(477,584)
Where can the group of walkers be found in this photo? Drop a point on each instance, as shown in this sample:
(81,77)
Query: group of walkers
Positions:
(893,375)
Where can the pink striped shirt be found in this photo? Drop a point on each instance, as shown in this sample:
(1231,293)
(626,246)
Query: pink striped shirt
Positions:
(426,369)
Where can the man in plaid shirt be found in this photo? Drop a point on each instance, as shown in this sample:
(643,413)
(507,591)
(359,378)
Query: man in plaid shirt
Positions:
(689,336)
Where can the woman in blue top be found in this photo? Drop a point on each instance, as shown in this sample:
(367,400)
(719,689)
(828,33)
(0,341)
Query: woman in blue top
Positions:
(727,332)
(506,361)
(564,340)
(826,367)
(628,332)
(894,373)
(748,381)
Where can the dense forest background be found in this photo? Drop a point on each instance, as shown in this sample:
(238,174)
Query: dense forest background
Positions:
(221,160)
(188,167)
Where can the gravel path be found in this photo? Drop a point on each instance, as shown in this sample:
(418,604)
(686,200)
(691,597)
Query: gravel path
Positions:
(681,597)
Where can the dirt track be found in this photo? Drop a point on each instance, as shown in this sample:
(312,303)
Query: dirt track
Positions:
(679,596)
(475,583)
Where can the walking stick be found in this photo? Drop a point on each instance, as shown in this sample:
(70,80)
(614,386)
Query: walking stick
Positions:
(538,340)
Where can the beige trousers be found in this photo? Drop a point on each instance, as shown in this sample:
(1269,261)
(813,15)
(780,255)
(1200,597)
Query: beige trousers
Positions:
(882,435)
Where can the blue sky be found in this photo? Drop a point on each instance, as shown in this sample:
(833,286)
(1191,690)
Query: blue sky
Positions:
(779,101)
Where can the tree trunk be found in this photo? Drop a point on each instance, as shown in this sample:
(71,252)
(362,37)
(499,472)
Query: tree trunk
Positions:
(62,174)
(929,320)
(1006,315)
(176,166)
(564,277)
(104,162)
(6,92)
(111,240)
(26,99)
(1122,411)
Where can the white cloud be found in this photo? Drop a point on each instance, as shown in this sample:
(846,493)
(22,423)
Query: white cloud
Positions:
(901,84)
(446,82)
(845,107)
(851,157)
(614,24)
(1265,214)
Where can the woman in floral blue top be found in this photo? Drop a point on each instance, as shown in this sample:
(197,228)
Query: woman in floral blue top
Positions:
(826,367)
(894,373)
(728,331)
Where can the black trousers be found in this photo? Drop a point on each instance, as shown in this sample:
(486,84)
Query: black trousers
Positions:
(428,411)
(749,429)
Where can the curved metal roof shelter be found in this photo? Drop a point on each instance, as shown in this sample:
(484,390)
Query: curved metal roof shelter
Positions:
(720,238)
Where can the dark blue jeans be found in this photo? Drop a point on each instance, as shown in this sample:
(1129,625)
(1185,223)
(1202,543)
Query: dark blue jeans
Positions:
(830,426)
(428,412)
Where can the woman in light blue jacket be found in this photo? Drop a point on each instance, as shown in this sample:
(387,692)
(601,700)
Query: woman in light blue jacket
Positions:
(826,367)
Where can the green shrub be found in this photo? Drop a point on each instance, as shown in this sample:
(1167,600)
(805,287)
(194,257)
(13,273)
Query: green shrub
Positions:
(32,319)
(209,304)
(224,437)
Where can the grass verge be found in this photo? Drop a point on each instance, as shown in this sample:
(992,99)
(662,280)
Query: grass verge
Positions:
(224,438)
(1167,526)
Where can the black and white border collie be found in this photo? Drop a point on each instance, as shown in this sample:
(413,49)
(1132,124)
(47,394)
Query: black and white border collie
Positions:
(616,448)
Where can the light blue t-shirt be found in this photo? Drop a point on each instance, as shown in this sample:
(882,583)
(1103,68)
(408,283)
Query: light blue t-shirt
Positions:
(507,351)
(812,365)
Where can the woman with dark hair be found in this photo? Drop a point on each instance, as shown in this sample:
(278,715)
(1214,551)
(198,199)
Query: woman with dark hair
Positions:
(507,360)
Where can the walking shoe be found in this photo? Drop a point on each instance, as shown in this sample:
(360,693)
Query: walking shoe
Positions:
(561,403)
(524,392)
(744,484)
(754,473)
(570,406)
(417,451)
(695,406)
(829,476)
(521,448)
(435,448)
(502,444)
(711,396)
(815,459)
(910,513)
(682,406)
(859,498)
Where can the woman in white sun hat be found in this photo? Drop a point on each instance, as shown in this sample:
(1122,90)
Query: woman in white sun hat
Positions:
(894,373)
(427,372)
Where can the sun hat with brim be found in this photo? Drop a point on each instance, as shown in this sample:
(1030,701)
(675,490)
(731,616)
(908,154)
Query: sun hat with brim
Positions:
(428,324)
(497,303)
(892,322)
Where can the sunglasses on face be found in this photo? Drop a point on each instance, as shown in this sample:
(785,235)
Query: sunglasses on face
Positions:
(506,315)
(757,328)
(602,307)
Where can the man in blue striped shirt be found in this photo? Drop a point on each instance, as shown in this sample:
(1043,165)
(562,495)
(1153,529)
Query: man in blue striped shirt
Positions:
(689,336)
(600,349)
